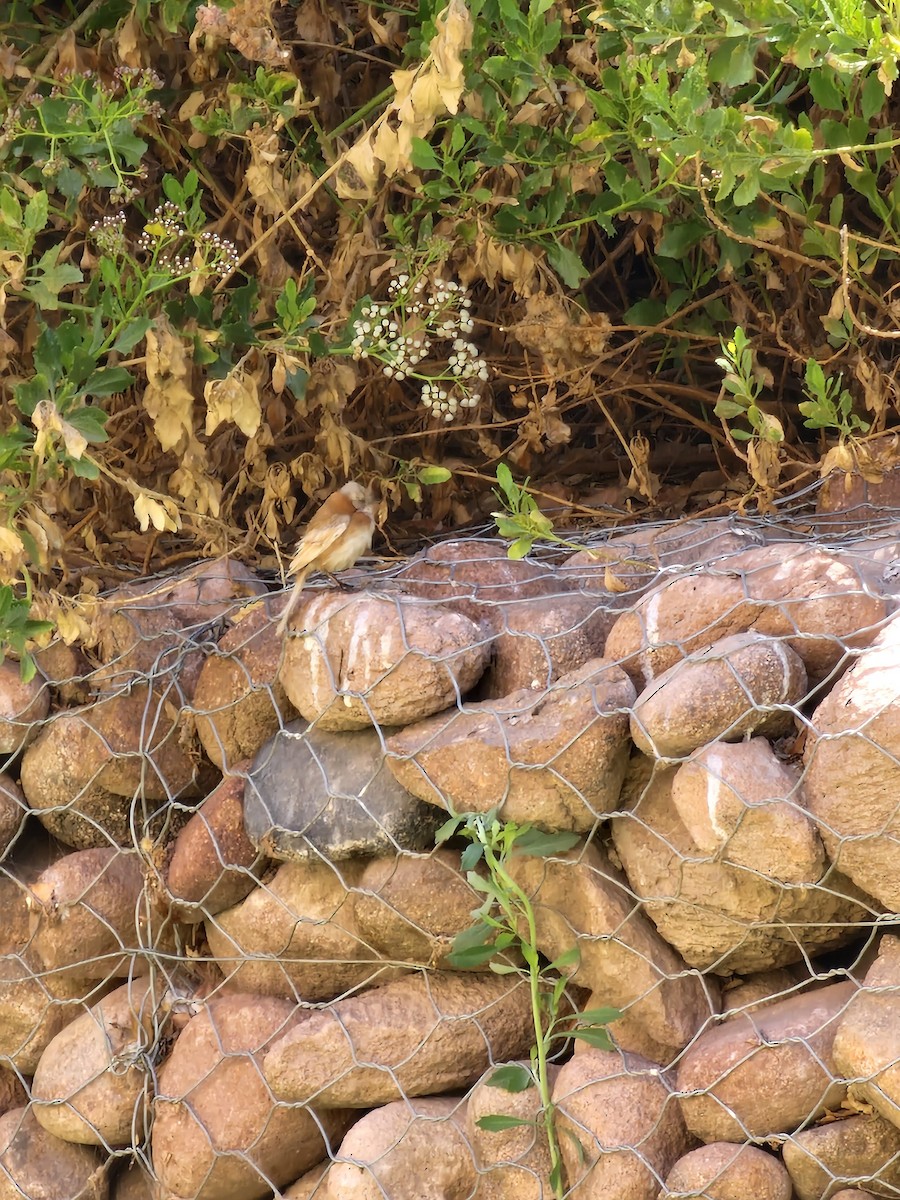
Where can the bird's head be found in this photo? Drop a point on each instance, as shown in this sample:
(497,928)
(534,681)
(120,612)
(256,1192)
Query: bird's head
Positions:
(356,494)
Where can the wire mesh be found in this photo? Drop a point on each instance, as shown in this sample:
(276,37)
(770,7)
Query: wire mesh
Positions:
(229,918)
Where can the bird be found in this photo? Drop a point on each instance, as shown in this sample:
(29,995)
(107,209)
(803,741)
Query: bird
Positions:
(339,533)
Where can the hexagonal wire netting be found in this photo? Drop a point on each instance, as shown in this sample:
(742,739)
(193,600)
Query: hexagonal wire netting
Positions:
(567,876)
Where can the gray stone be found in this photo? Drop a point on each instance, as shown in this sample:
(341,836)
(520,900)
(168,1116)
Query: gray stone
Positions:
(313,793)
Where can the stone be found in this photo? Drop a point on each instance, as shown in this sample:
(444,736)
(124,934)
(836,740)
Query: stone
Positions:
(90,766)
(809,597)
(411,907)
(537,641)
(407,1150)
(750,992)
(23,707)
(723,1171)
(218,1133)
(366,659)
(478,579)
(852,769)
(858,1151)
(295,936)
(622,567)
(725,1077)
(34,1006)
(418,1036)
(93,1081)
(213,864)
(156,626)
(742,805)
(13,810)
(514,1163)
(555,760)
(619,1131)
(738,686)
(239,702)
(35,1165)
(720,917)
(89,916)
(580,900)
(867,1044)
(316,794)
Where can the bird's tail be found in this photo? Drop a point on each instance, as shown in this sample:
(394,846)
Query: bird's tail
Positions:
(293,602)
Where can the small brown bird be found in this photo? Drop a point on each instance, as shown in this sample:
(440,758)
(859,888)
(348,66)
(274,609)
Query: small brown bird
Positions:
(337,535)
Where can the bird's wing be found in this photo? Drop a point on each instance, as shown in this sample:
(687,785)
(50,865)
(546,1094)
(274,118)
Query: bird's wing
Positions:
(317,540)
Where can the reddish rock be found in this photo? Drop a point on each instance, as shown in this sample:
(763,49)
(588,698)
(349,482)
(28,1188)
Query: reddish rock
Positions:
(862,1151)
(556,760)
(214,864)
(371,660)
(514,1163)
(23,706)
(867,1044)
(852,761)
(239,702)
(738,686)
(721,917)
(418,1036)
(740,804)
(725,1077)
(722,1171)
(619,1130)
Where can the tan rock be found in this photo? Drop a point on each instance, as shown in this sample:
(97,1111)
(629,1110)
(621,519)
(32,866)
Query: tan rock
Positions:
(369,660)
(476,578)
(635,558)
(810,597)
(13,811)
(749,992)
(295,935)
(556,760)
(39,1166)
(88,767)
(312,1184)
(539,640)
(740,685)
(34,1006)
(862,1151)
(742,805)
(214,864)
(239,702)
(89,916)
(23,706)
(852,761)
(718,916)
(725,1079)
(867,1044)
(218,1133)
(12,1092)
(581,900)
(418,1036)
(93,1081)
(723,1171)
(407,1150)
(410,908)
(619,1111)
(513,1164)
(146,627)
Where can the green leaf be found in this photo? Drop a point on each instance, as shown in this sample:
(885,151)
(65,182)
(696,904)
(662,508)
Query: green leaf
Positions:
(520,547)
(646,312)
(567,264)
(90,422)
(471,856)
(108,381)
(423,157)
(598,1038)
(541,844)
(599,1016)
(571,958)
(131,334)
(36,212)
(512,1077)
(431,475)
(474,956)
(447,830)
(824,88)
(497,1122)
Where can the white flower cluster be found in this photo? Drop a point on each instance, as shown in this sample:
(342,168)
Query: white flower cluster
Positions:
(160,239)
(401,333)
